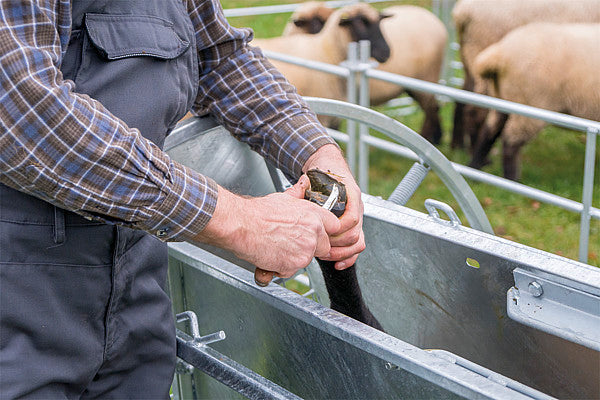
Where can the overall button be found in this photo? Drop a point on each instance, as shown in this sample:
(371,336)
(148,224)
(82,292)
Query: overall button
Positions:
(162,232)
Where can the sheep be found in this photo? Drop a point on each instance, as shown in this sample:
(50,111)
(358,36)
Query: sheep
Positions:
(417,39)
(348,24)
(545,65)
(479,23)
(309,17)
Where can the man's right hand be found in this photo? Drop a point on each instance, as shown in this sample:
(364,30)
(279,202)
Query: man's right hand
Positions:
(279,232)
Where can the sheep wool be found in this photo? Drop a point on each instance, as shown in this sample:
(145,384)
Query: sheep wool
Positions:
(480,23)
(545,65)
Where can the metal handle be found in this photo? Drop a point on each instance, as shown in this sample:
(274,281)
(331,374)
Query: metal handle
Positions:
(433,206)
(193,319)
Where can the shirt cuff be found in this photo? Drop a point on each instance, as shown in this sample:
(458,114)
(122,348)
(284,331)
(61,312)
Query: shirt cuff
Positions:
(189,203)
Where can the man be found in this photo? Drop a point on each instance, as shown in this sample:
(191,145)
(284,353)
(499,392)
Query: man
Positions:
(88,91)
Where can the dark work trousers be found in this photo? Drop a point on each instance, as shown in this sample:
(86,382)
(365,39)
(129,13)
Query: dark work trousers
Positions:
(83,307)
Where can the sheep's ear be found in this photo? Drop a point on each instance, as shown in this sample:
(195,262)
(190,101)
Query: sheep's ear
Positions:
(300,23)
(384,15)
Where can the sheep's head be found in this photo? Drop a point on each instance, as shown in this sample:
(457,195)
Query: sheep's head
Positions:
(311,16)
(363,22)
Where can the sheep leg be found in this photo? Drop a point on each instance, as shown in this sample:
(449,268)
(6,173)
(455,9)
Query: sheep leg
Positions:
(489,133)
(511,155)
(345,294)
(458,140)
(431,129)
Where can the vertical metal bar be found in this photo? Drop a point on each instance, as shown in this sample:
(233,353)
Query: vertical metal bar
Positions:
(588,189)
(363,130)
(351,97)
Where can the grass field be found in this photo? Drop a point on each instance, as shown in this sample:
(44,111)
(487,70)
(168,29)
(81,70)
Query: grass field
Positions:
(553,162)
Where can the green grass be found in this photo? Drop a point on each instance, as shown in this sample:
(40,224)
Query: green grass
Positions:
(552,162)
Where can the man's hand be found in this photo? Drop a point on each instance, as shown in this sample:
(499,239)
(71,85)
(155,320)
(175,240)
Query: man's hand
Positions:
(349,241)
(280,232)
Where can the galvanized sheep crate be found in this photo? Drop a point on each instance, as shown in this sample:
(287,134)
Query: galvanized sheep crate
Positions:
(466,314)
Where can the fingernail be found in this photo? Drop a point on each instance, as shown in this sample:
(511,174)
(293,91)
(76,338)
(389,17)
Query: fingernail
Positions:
(340,265)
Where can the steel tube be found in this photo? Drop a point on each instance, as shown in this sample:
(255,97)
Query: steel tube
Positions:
(283,8)
(588,191)
(316,65)
(363,130)
(464,96)
(351,97)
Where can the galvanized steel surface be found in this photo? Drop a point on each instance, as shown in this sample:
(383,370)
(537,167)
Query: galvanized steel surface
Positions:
(306,348)
(416,281)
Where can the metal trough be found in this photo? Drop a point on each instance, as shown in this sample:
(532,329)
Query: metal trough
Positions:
(466,314)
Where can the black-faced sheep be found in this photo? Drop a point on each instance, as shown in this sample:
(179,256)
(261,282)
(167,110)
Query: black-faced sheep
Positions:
(309,17)
(345,25)
(545,65)
(417,39)
(480,23)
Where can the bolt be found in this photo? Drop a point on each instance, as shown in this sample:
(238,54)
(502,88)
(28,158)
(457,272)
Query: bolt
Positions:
(390,366)
(535,289)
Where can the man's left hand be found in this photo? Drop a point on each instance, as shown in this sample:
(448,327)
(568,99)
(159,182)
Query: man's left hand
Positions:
(350,241)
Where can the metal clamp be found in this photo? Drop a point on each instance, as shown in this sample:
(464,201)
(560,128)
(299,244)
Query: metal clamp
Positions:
(557,308)
(433,206)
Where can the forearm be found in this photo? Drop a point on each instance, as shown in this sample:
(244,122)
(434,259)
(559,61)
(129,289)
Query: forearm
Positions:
(67,149)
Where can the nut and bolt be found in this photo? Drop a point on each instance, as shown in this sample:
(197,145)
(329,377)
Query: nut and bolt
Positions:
(535,289)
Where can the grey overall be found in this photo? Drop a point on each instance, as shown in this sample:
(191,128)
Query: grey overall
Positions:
(83,308)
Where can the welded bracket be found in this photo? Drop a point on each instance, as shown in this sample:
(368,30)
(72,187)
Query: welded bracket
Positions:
(556,308)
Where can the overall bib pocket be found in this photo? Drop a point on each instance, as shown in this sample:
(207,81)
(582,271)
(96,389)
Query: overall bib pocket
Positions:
(135,65)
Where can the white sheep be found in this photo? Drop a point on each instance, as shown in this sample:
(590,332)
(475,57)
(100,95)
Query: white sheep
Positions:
(480,23)
(546,65)
(417,40)
(348,24)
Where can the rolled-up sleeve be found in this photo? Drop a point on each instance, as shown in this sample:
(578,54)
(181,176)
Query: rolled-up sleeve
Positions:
(67,149)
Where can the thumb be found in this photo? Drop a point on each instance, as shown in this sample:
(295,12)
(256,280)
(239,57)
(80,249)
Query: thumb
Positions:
(299,188)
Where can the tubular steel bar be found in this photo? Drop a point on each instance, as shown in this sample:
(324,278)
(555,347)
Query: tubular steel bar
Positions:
(552,117)
(364,55)
(351,86)
(230,373)
(284,8)
(588,188)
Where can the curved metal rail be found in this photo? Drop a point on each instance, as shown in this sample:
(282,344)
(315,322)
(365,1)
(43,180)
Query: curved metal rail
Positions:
(426,151)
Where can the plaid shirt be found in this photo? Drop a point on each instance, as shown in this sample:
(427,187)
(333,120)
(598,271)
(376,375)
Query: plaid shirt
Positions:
(67,149)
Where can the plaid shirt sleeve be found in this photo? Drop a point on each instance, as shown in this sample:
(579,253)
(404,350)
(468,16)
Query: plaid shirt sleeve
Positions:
(248,96)
(67,149)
